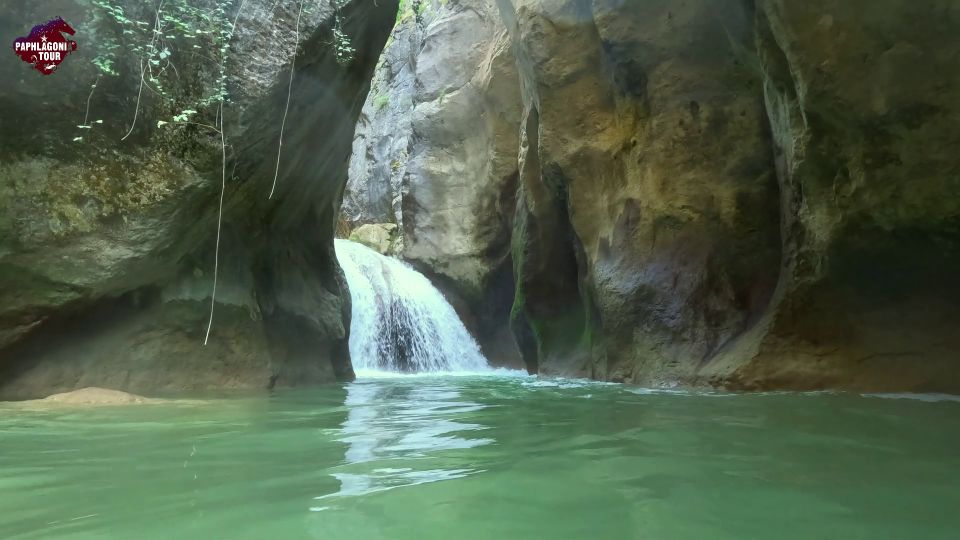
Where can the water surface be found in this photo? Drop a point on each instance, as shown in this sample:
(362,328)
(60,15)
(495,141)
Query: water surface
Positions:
(484,458)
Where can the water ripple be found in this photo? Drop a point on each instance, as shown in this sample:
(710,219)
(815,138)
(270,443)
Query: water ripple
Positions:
(389,423)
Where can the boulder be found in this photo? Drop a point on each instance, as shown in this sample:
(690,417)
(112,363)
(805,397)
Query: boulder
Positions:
(93,396)
(379,237)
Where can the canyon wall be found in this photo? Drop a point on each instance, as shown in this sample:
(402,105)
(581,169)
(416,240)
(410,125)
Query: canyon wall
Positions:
(861,101)
(435,153)
(110,189)
(647,176)
(757,196)
(746,194)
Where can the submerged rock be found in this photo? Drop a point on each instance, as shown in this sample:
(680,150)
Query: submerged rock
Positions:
(93,396)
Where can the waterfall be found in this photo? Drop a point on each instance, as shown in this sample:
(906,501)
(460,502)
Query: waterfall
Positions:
(401,322)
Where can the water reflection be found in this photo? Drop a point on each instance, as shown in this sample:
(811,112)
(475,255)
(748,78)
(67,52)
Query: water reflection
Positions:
(392,427)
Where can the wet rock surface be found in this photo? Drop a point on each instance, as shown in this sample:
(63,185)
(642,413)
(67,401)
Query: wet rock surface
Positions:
(756,197)
(753,195)
(380,237)
(861,104)
(118,237)
(435,153)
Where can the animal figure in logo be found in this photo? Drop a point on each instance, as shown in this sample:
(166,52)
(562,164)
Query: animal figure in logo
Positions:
(45,47)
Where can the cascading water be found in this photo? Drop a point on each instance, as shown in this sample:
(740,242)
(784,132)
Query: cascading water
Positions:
(401,322)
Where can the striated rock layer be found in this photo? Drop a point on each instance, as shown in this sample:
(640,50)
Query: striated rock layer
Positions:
(754,196)
(655,193)
(861,100)
(435,153)
(108,234)
(748,194)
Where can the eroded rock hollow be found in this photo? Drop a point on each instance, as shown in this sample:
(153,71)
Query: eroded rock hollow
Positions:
(746,194)
(108,234)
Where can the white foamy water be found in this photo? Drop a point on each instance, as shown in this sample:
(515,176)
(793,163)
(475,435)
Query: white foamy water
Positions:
(401,322)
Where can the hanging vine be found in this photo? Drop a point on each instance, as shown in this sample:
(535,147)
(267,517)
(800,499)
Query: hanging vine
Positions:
(176,30)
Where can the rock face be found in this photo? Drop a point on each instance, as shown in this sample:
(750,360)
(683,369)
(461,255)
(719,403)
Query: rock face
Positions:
(749,196)
(861,99)
(756,194)
(109,232)
(380,237)
(656,195)
(436,153)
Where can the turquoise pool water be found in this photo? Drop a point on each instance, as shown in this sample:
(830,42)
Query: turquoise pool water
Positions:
(494,457)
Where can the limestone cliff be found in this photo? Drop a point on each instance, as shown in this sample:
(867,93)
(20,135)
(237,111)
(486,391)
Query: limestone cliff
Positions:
(435,153)
(748,194)
(110,188)
(862,103)
(753,196)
